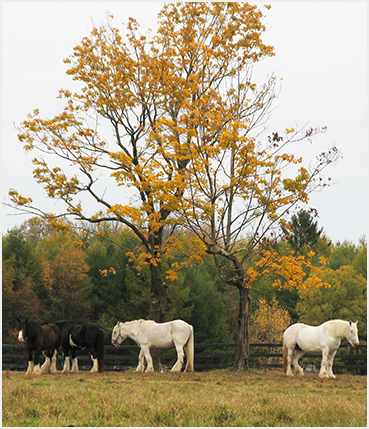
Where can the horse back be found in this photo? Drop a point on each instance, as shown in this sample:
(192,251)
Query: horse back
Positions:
(87,334)
(50,337)
(311,339)
(293,332)
(66,327)
(167,334)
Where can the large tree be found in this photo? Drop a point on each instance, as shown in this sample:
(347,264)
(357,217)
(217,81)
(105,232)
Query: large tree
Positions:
(238,202)
(153,102)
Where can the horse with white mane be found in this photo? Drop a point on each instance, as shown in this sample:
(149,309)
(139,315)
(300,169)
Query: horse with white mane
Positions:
(148,334)
(325,338)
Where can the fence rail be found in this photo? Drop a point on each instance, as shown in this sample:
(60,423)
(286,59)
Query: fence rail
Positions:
(207,356)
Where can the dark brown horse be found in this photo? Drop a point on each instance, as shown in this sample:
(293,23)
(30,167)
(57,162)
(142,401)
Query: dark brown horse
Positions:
(46,339)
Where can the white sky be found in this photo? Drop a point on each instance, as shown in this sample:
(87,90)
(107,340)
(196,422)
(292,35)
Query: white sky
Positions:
(321,54)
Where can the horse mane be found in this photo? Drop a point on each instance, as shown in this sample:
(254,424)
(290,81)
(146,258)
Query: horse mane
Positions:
(338,327)
(131,322)
(33,328)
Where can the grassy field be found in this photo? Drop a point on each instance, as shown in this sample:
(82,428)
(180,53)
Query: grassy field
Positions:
(215,398)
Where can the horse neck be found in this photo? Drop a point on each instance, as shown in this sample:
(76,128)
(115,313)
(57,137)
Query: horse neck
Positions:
(338,328)
(131,329)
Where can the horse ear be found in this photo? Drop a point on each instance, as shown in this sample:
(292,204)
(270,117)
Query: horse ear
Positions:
(356,322)
(350,323)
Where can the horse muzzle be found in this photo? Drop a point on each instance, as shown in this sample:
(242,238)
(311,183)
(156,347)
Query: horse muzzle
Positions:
(115,344)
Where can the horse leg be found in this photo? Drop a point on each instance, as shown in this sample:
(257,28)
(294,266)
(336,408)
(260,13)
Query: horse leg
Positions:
(74,365)
(146,353)
(289,372)
(323,367)
(295,361)
(53,369)
(36,361)
(74,362)
(95,366)
(141,363)
(330,364)
(66,367)
(45,367)
(93,354)
(177,367)
(31,365)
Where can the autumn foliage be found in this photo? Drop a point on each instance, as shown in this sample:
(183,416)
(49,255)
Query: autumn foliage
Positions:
(165,133)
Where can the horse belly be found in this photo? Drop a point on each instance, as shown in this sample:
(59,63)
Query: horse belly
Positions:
(48,338)
(163,343)
(73,344)
(309,343)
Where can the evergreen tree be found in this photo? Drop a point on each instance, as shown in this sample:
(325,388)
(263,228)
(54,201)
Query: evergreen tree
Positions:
(302,231)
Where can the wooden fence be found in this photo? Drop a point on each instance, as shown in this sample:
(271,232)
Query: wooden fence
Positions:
(207,356)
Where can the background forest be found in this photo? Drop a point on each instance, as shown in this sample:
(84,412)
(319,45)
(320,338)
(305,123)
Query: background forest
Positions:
(51,275)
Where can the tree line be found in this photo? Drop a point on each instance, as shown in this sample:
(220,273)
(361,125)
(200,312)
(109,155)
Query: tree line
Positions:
(50,275)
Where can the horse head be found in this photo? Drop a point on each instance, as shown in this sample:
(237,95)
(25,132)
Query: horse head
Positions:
(118,335)
(353,337)
(22,328)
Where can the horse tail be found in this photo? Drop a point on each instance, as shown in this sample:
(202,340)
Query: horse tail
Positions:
(190,352)
(100,350)
(285,358)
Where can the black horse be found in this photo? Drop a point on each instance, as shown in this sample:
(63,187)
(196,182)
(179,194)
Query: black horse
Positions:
(79,337)
(46,339)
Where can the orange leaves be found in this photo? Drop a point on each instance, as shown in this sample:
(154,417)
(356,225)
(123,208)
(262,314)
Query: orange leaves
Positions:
(286,271)
(268,322)
(126,211)
(106,271)
(322,260)
(17,199)
(224,32)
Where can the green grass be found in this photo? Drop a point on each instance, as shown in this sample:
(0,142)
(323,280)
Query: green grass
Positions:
(215,398)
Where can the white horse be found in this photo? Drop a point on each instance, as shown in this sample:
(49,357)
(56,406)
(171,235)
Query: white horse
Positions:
(325,338)
(148,334)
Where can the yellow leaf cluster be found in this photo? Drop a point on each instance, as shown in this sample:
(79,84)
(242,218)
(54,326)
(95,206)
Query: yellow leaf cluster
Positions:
(288,271)
(268,322)
(18,199)
(106,271)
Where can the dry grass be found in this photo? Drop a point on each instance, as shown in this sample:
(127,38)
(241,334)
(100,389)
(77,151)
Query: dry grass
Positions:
(215,398)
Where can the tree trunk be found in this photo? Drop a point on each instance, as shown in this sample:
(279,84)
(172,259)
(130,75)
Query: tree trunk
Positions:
(243,339)
(159,295)
(158,306)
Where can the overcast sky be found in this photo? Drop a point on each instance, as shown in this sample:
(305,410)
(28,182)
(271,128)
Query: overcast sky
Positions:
(321,54)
